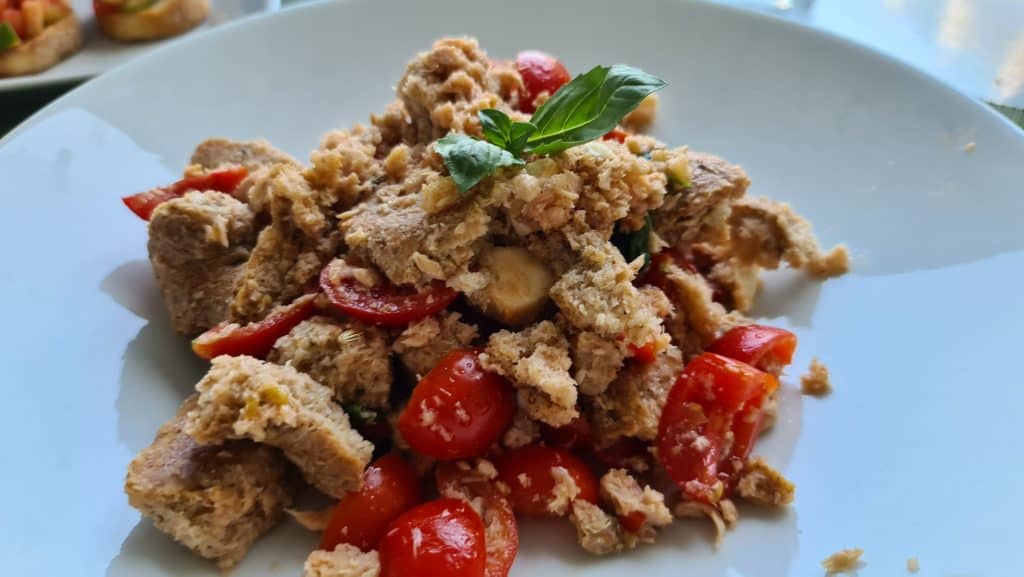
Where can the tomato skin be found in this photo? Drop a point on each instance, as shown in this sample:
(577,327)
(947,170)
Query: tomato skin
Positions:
(713,397)
(644,353)
(384,305)
(527,472)
(254,339)
(616,134)
(390,488)
(577,434)
(500,530)
(541,73)
(633,522)
(767,348)
(624,453)
(458,410)
(144,203)
(444,537)
(15,19)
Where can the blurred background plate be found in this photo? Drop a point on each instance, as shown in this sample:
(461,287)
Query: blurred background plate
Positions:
(99,53)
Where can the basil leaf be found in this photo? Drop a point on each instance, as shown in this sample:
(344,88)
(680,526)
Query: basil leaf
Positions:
(499,130)
(496,125)
(636,243)
(470,160)
(360,415)
(589,106)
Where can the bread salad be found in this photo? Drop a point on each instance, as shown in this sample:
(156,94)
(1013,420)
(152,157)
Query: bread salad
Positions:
(500,298)
(35,35)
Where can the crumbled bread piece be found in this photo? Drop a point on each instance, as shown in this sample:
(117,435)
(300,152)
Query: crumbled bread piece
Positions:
(761,484)
(523,431)
(766,232)
(843,561)
(599,533)
(351,358)
(598,295)
(537,362)
(626,497)
(198,245)
(816,382)
(345,561)
(596,361)
(313,520)
(219,153)
(564,491)
(216,499)
(696,320)
(913,565)
(691,207)
(631,406)
(424,343)
(695,509)
(243,397)
(970,146)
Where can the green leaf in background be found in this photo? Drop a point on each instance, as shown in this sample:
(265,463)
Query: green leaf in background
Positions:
(1016,115)
(470,160)
(589,106)
(500,131)
(636,243)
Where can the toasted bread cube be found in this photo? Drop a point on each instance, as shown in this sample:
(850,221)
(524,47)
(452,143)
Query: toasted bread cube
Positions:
(214,499)
(246,398)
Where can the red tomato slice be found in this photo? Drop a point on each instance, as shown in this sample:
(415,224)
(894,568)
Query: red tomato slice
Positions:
(390,488)
(767,348)
(527,472)
(616,134)
(576,434)
(633,522)
(502,535)
(15,19)
(458,410)
(144,203)
(714,399)
(254,339)
(385,305)
(442,538)
(644,353)
(541,73)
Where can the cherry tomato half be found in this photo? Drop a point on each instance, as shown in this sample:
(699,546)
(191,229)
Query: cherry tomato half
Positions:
(713,397)
(385,304)
(458,409)
(576,434)
(527,472)
(144,203)
(767,348)
(439,538)
(254,339)
(390,488)
(541,73)
(502,535)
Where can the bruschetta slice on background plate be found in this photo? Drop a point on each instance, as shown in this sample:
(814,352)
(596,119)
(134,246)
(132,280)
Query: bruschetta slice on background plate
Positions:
(35,35)
(141,20)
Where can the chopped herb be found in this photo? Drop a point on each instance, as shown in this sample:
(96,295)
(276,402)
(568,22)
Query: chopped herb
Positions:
(361,415)
(636,243)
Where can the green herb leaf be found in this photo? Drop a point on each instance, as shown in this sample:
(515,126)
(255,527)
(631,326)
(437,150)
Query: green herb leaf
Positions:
(636,243)
(470,160)
(360,415)
(501,131)
(589,106)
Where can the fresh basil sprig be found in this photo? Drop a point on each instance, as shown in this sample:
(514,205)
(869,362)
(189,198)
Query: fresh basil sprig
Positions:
(585,109)
(470,160)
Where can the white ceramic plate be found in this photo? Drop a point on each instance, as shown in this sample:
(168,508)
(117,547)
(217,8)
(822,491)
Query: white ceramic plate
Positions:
(915,454)
(99,53)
